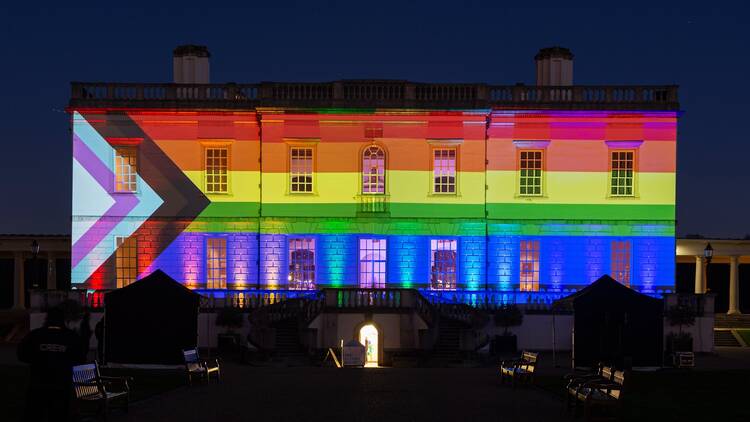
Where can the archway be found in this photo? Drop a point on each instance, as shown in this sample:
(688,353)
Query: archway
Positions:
(368,336)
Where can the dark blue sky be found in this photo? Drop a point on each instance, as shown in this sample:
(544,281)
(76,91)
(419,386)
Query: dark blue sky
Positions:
(703,48)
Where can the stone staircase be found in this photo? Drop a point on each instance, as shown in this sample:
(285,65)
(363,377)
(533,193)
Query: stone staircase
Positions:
(725,338)
(447,346)
(288,340)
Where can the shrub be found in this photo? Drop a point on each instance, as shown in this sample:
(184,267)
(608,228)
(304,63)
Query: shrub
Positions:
(508,316)
(229,318)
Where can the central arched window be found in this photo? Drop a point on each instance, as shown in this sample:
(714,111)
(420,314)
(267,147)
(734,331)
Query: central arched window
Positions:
(373,170)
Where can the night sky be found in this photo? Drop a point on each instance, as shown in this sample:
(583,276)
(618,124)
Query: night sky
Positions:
(702,48)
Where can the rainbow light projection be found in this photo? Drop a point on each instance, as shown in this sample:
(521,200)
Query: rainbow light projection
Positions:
(574,221)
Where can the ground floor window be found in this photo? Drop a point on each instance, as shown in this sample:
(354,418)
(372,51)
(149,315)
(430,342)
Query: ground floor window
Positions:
(372,261)
(126,260)
(529,268)
(302,264)
(216,263)
(443,264)
(620,260)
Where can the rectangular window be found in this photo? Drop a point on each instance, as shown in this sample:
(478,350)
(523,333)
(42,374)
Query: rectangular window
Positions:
(126,169)
(530,165)
(444,170)
(302,264)
(621,261)
(126,260)
(216,263)
(622,170)
(443,264)
(217,165)
(529,271)
(372,260)
(301,170)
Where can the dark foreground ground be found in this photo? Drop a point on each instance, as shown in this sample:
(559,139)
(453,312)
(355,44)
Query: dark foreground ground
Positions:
(717,391)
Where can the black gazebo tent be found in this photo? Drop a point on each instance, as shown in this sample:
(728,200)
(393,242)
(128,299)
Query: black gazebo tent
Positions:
(614,324)
(150,321)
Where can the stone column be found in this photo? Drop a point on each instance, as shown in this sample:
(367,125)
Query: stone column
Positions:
(51,271)
(699,283)
(19,287)
(734,286)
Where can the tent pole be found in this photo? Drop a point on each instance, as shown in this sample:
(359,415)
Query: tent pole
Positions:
(554,342)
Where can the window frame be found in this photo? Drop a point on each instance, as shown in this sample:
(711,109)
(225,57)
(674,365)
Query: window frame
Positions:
(123,243)
(223,258)
(310,243)
(371,284)
(313,185)
(136,156)
(434,248)
(525,285)
(456,170)
(228,149)
(634,177)
(621,260)
(362,171)
(542,172)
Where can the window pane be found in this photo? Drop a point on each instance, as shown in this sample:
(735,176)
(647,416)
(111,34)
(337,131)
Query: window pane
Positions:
(443,264)
(126,170)
(301,170)
(216,263)
(444,170)
(372,263)
(529,265)
(302,264)
(217,166)
(530,173)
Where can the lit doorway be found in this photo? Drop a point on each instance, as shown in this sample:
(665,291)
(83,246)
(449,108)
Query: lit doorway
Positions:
(368,336)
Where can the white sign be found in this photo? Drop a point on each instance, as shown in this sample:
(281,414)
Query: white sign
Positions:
(354,354)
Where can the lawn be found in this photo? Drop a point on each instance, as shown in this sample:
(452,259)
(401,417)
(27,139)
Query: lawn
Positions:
(745,334)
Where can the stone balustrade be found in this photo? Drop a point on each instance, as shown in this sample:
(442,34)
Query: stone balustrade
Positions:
(373,93)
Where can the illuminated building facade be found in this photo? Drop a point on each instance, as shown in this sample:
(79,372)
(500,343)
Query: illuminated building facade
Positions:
(523,190)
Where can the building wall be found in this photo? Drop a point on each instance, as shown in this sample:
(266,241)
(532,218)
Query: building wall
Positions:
(574,219)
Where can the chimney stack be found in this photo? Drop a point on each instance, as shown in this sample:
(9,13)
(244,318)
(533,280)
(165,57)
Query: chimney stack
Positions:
(190,64)
(554,67)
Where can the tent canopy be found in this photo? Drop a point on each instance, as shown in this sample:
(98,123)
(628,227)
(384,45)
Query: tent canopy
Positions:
(615,325)
(150,321)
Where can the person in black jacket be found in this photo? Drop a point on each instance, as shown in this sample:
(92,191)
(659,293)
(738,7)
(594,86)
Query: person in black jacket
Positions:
(51,351)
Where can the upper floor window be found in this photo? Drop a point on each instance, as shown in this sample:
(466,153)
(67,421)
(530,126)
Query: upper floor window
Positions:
(302,264)
(444,170)
(217,164)
(301,170)
(372,261)
(443,264)
(620,260)
(529,268)
(216,263)
(622,171)
(126,169)
(373,170)
(530,165)
(126,260)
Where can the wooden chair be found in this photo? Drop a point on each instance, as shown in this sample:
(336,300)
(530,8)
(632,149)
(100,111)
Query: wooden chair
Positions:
(100,392)
(519,370)
(603,397)
(201,368)
(576,381)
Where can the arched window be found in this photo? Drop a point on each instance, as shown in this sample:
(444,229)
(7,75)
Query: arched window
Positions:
(373,170)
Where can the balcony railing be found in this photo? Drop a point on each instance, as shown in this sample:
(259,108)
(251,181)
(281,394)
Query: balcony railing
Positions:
(373,93)
(347,298)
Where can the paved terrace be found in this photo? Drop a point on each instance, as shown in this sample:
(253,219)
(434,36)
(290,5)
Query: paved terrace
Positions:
(328,394)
